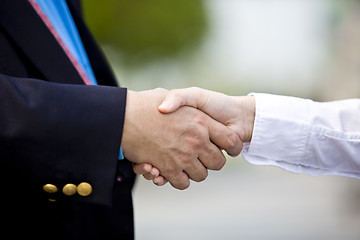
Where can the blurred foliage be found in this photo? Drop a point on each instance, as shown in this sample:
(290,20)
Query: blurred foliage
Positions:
(143,30)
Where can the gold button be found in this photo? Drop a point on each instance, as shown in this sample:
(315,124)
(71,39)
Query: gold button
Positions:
(84,189)
(69,189)
(50,188)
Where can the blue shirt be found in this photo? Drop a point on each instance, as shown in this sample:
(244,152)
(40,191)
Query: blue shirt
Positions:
(59,15)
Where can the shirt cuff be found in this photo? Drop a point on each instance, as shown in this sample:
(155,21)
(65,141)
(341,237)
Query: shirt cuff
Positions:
(121,155)
(280,132)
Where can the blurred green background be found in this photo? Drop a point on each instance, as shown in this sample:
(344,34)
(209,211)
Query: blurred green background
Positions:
(305,48)
(143,31)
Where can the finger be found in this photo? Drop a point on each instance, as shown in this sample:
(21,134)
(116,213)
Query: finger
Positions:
(149,176)
(160,181)
(142,168)
(152,174)
(224,137)
(212,157)
(171,103)
(181,181)
(197,171)
(155,172)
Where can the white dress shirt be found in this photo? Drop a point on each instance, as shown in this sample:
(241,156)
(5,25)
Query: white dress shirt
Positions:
(303,136)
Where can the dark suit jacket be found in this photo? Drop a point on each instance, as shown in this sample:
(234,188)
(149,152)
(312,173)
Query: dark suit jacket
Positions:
(56,130)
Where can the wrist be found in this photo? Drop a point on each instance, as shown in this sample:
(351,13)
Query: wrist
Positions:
(247,107)
(140,117)
(133,102)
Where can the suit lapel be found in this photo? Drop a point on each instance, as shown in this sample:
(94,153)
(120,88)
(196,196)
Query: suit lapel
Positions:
(28,31)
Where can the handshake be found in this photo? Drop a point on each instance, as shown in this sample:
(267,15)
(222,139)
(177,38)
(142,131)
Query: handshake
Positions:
(178,135)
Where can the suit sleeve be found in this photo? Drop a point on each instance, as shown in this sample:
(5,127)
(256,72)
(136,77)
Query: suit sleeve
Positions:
(53,133)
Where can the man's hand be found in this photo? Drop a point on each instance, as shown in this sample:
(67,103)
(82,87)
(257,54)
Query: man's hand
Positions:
(181,145)
(238,113)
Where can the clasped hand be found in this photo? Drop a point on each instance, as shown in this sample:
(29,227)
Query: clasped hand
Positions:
(178,135)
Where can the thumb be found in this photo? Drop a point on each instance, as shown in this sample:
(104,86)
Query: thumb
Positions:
(176,98)
(169,104)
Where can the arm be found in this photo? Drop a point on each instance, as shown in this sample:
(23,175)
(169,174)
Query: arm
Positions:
(59,134)
(295,134)
(303,136)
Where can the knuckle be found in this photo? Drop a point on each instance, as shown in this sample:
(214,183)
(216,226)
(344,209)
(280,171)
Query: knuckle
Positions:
(200,119)
(196,142)
(195,138)
(194,88)
(161,91)
(175,93)
(186,162)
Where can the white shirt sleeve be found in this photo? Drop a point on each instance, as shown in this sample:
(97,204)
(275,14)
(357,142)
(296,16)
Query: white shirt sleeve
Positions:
(303,136)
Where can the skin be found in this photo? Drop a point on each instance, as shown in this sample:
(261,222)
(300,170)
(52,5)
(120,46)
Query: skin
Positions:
(237,113)
(179,146)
